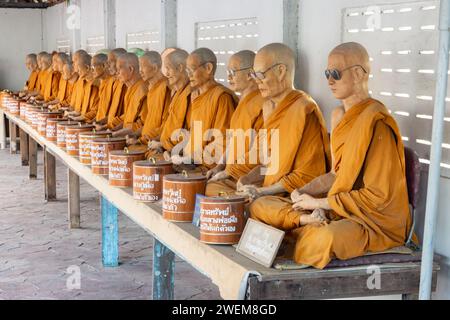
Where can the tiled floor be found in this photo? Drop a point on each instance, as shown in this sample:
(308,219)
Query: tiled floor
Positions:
(37,248)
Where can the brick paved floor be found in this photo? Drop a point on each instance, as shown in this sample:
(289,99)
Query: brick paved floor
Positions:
(36,247)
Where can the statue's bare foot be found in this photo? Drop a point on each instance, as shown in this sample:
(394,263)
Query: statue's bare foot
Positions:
(318,216)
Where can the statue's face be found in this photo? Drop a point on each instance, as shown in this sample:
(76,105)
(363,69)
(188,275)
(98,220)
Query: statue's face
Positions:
(173,74)
(112,64)
(270,79)
(124,70)
(238,78)
(147,70)
(345,87)
(199,73)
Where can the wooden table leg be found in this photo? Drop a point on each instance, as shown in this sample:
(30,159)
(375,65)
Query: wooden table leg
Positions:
(24,150)
(74,199)
(163,272)
(110,234)
(2,130)
(12,137)
(49,176)
(33,154)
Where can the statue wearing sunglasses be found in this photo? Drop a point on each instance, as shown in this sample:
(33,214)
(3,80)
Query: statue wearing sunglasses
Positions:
(365,194)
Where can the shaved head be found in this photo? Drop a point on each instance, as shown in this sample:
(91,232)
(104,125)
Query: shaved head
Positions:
(177,57)
(46,57)
(86,60)
(63,57)
(130,59)
(164,54)
(100,58)
(118,51)
(280,53)
(153,57)
(246,58)
(32,57)
(353,54)
(206,55)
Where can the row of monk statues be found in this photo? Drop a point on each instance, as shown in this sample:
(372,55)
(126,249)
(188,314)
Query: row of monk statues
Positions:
(339,195)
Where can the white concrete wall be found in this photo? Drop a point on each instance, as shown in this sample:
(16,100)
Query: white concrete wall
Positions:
(21,34)
(136,16)
(268,12)
(92,20)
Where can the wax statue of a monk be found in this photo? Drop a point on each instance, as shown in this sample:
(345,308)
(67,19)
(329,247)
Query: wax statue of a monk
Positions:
(31,95)
(48,79)
(113,107)
(365,194)
(32,82)
(135,98)
(247,117)
(295,148)
(178,110)
(211,110)
(85,93)
(64,88)
(111,100)
(99,82)
(155,113)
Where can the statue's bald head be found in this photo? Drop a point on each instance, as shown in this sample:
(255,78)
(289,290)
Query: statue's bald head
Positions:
(275,70)
(150,65)
(349,66)
(246,58)
(206,55)
(152,57)
(100,58)
(128,67)
(46,60)
(31,62)
(177,57)
(353,53)
(279,53)
(63,57)
(113,55)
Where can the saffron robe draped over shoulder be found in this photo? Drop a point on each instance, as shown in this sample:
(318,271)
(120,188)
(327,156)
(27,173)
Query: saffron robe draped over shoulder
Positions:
(213,110)
(156,112)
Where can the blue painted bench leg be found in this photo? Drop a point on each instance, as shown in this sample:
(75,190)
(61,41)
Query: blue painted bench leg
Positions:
(110,234)
(163,272)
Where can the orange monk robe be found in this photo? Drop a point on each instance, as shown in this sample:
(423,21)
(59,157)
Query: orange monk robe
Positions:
(76,101)
(134,101)
(51,85)
(369,195)
(40,81)
(90,100)
(105,93)
(304,154)
(116,109)
(178,117)
(155,114)
(65,92)
(213,110)
(248,115)
(32,80)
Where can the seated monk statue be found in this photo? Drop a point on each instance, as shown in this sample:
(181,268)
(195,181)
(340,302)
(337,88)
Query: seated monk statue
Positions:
(32,67)
(60,60)
(100,78)
(211,110)
(44,61)
(365,194)
(294,143)
(136,95)
(179,108)
(247,117)
(154,114)
(111,98)
(81,91)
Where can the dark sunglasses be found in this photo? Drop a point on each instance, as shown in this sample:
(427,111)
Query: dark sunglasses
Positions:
(337,75)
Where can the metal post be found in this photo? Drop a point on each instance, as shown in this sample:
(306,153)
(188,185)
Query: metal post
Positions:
(110,234)
(163,272)
(436,152)
(2,130)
